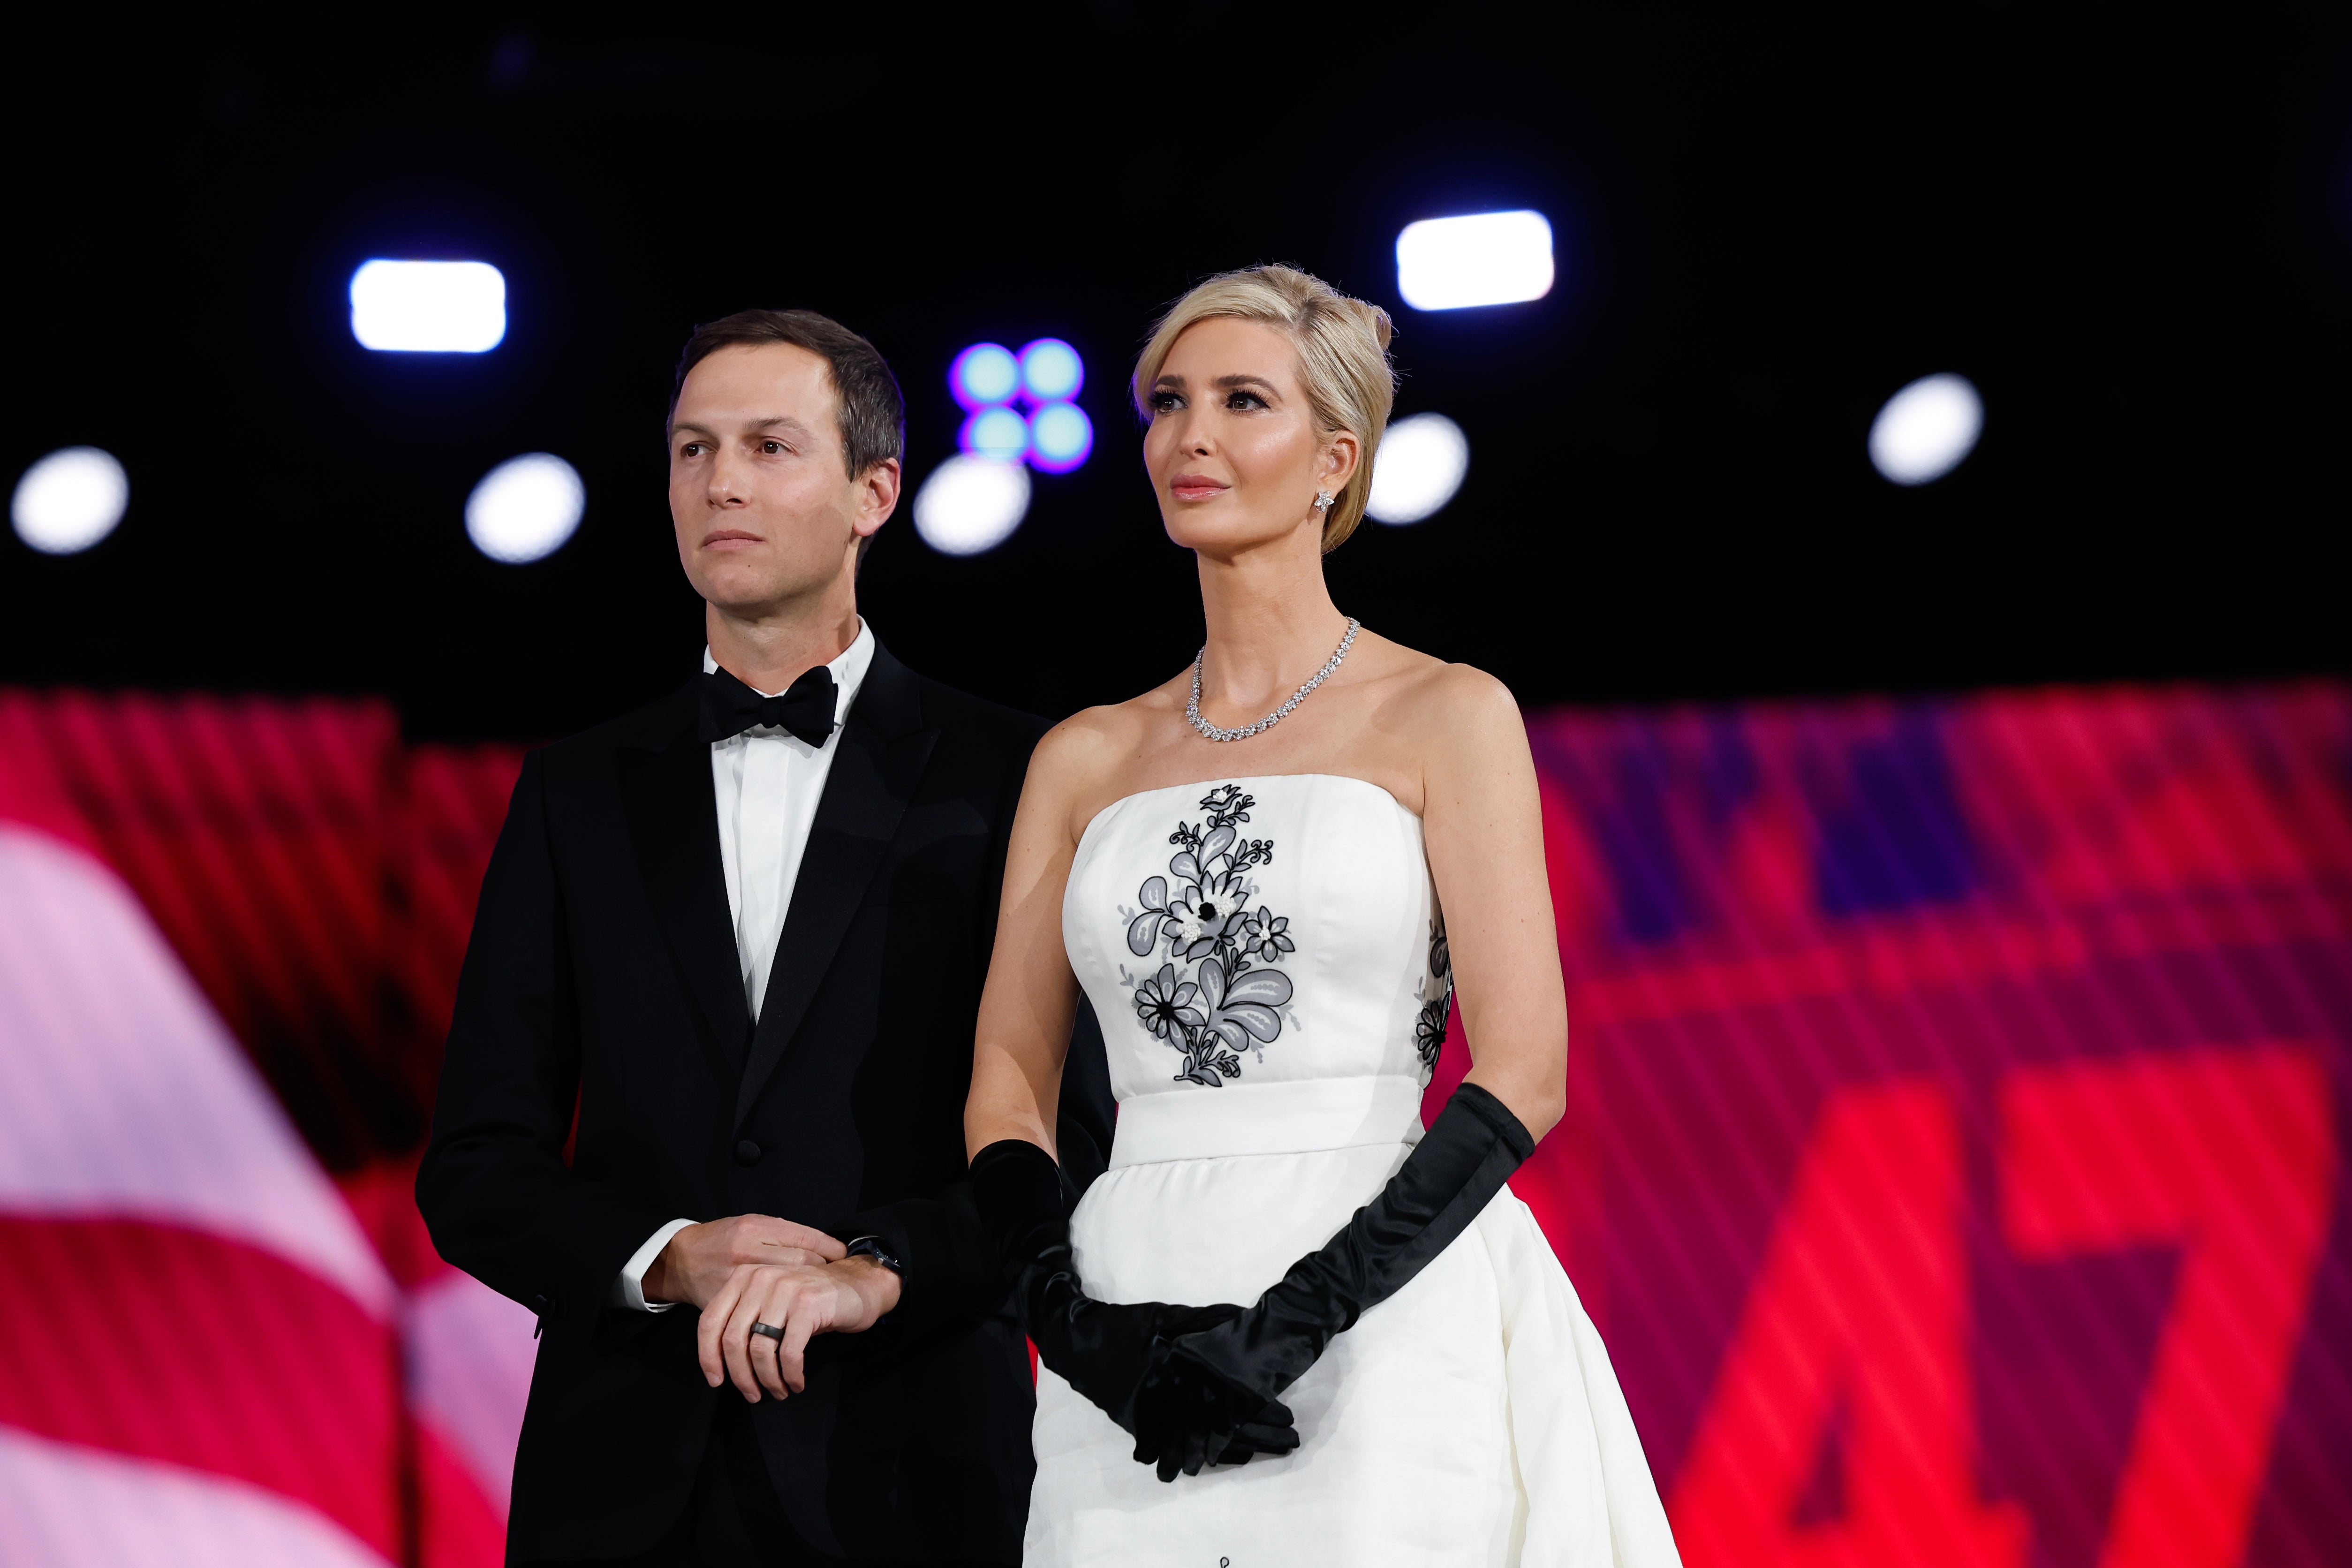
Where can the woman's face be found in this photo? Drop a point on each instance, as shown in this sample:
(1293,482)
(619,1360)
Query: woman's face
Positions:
(1233,451)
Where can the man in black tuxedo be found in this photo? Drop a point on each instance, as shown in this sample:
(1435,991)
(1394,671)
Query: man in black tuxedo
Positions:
(714,1035)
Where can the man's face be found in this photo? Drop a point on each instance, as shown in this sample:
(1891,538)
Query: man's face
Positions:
(765,509)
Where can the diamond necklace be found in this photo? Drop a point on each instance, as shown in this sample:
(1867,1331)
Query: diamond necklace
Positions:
(1211,732)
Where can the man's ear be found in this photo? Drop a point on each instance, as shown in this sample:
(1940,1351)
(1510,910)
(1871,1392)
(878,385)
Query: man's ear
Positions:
(878,496)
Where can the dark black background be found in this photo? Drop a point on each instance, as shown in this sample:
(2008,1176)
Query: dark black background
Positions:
(2133,232)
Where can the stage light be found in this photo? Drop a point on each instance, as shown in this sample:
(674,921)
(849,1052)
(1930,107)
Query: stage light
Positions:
(429,307)
(69,500)
(1420,464)
(1486,258)
(999,433)
(1060,437)
(1051,371)
(1927,429)
(525,508)
(971,504)
(985,374)
(964,510)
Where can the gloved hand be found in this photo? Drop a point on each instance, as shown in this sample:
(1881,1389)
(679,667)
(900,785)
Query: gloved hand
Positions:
(1103,1350)
(1213,1381)
(1186,1415)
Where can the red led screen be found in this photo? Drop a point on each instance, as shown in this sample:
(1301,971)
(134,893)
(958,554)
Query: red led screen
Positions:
(1952,1163)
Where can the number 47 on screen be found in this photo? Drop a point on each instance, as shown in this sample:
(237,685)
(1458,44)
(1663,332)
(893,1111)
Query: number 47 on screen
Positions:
(1860,1309)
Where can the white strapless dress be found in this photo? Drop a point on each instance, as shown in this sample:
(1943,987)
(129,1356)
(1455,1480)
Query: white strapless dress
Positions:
(1270,969)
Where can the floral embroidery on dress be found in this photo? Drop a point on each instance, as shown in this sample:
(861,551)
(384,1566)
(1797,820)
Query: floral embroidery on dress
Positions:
(1437,994)
(1211,1000)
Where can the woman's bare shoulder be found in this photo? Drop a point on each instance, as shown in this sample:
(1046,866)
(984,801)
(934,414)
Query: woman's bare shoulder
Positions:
(1442,701)
(1082,758)
(1100,738)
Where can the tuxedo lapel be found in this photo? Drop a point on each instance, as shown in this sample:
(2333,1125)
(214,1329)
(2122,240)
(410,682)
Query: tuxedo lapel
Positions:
(883,750)
(673,815)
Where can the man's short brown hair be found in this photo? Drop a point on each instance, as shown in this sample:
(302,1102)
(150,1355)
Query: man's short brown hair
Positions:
(873,413)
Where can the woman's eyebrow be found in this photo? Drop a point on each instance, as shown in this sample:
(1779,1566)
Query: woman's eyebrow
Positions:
(1243,380)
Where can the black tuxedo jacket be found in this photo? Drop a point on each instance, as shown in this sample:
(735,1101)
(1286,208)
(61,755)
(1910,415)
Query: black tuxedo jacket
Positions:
(602,982)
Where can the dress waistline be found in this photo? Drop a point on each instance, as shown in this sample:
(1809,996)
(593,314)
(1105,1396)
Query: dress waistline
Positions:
(1294,1118)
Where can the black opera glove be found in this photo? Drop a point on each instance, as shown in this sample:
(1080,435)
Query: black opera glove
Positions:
(1185,1417)
(1191,1399)
(1102,1348)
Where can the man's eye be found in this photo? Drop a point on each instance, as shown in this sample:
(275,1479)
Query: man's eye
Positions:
(691,449)
(772,447)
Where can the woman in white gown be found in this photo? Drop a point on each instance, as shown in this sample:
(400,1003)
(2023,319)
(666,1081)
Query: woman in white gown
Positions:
(1287,1327)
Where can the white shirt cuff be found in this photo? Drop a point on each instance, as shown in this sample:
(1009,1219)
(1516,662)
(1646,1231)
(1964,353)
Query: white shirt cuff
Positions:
(629,1290)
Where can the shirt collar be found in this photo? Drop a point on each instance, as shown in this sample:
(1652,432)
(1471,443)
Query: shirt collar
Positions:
(849,668)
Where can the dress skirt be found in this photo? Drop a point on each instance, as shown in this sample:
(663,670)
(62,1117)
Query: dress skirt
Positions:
(1470,1419)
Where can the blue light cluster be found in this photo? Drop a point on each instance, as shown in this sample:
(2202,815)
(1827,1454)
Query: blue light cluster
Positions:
(1019,407)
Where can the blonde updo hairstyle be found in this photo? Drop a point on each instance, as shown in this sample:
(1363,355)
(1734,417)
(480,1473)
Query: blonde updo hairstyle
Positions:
(1343,358)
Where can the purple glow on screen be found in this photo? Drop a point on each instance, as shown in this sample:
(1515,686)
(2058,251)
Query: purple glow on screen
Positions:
(1061,437)
(1000,432)
(983,376)
(1051,371)
(995,386)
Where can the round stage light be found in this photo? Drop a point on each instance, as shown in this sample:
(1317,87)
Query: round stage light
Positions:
(971,504)
(1927,429)
(1051,371)
(69,500)
(525,508)
(429,307)
(1420,464)
(982,374)
(1060,437)
(999,433)
(1481,258)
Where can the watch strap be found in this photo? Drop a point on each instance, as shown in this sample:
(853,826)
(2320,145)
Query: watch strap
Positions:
(871,1246)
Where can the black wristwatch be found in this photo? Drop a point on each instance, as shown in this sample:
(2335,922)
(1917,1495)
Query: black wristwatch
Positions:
(871,1246)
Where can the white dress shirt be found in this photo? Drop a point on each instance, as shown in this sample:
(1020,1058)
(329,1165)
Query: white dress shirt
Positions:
(768,783)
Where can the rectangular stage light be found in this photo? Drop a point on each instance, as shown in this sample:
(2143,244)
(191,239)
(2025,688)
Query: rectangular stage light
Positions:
(1484,258)
(429,307)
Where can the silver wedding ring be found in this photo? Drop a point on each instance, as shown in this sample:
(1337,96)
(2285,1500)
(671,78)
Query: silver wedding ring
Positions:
(769,1330)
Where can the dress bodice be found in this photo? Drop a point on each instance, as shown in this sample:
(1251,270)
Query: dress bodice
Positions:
(1240,935)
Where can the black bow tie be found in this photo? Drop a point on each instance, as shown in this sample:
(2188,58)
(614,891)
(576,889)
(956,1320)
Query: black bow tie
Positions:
(730,707)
